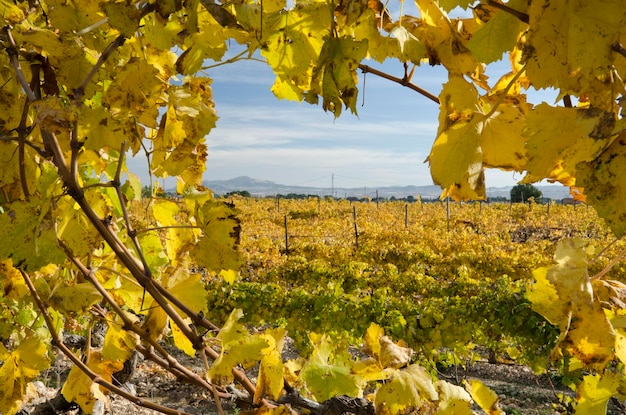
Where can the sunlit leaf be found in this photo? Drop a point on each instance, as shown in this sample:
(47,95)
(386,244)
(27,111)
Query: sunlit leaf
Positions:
(484,397)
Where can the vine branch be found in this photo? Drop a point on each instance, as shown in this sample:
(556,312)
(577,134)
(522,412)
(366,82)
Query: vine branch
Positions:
(402,81)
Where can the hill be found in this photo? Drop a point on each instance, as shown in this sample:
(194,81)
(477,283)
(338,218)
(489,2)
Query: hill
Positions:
(262,188)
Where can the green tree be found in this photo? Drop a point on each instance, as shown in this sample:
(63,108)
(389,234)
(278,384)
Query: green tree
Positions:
(523,193)
(83,83)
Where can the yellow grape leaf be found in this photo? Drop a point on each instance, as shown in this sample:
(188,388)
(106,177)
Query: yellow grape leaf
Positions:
(559,138)
(393,355)
(118,343)
(122,16)
(79,388)
(270,381)
(76,298)
(484,397)
(20,367)
(181,341)
(229,275)
(135,90)
(238,347)
(453,399)
(408,389)
(217,247)
(564,295)
(569,42)
(13,284)
(372,340)
(594,392)
(327,373)
(456,156)
(604,180)
(165,212)
(334,77)
(499,34)
(191,291)
(156,321)
(29,236)
(293,46)
(275,410)
(501,141)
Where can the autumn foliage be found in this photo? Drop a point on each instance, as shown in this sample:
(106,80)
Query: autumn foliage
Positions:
(83,84)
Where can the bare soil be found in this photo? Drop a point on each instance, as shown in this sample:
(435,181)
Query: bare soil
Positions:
(520,391)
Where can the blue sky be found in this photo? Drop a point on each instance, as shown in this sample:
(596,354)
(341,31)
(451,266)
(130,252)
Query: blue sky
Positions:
(299,144)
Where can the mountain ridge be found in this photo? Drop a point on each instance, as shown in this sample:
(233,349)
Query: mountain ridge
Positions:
(263,188)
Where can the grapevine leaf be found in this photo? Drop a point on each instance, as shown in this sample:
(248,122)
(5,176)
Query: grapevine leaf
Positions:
(564,295)
(217,248)
(76,298)
(453,400)
(238,347)
(191,291)
(560,138)
(484,397)
(334,77)
(569,42)
(394,355)
(498,35)
(13,283)
(20,367)
(118,343)
(501,141)
(229,275)
(270,381)
(594,392)
(123,16)
(181,341)
(29,236)
(372,339)
(79,388)
(603,179)
(327,372)
(156,321)
(408,388)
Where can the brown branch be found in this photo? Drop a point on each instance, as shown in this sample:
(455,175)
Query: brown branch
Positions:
(12,52)
(402,81)
(116,43)
(520,15)
(617,47)
(96,378)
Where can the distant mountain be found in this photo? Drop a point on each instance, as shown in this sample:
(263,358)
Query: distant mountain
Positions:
(262,188)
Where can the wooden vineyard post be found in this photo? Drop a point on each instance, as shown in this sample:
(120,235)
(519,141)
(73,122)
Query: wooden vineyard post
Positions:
(286,237)
(406,216)
(448,212)
(356,229)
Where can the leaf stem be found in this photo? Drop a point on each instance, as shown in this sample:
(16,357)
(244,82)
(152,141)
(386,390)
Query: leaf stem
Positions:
(520,15)
(504,93)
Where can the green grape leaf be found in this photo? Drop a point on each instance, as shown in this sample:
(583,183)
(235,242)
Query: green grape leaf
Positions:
(498,35)
(29,236)
(217,247)
(77,298)
(334,77)
(238,347)
(604,180)
(564,295)
(407,389)
(327,373)
(484,397)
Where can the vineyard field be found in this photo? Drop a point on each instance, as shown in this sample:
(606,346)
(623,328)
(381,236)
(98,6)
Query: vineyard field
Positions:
(448,279)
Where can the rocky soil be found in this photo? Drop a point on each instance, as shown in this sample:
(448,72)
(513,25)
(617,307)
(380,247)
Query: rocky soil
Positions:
(520,391)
